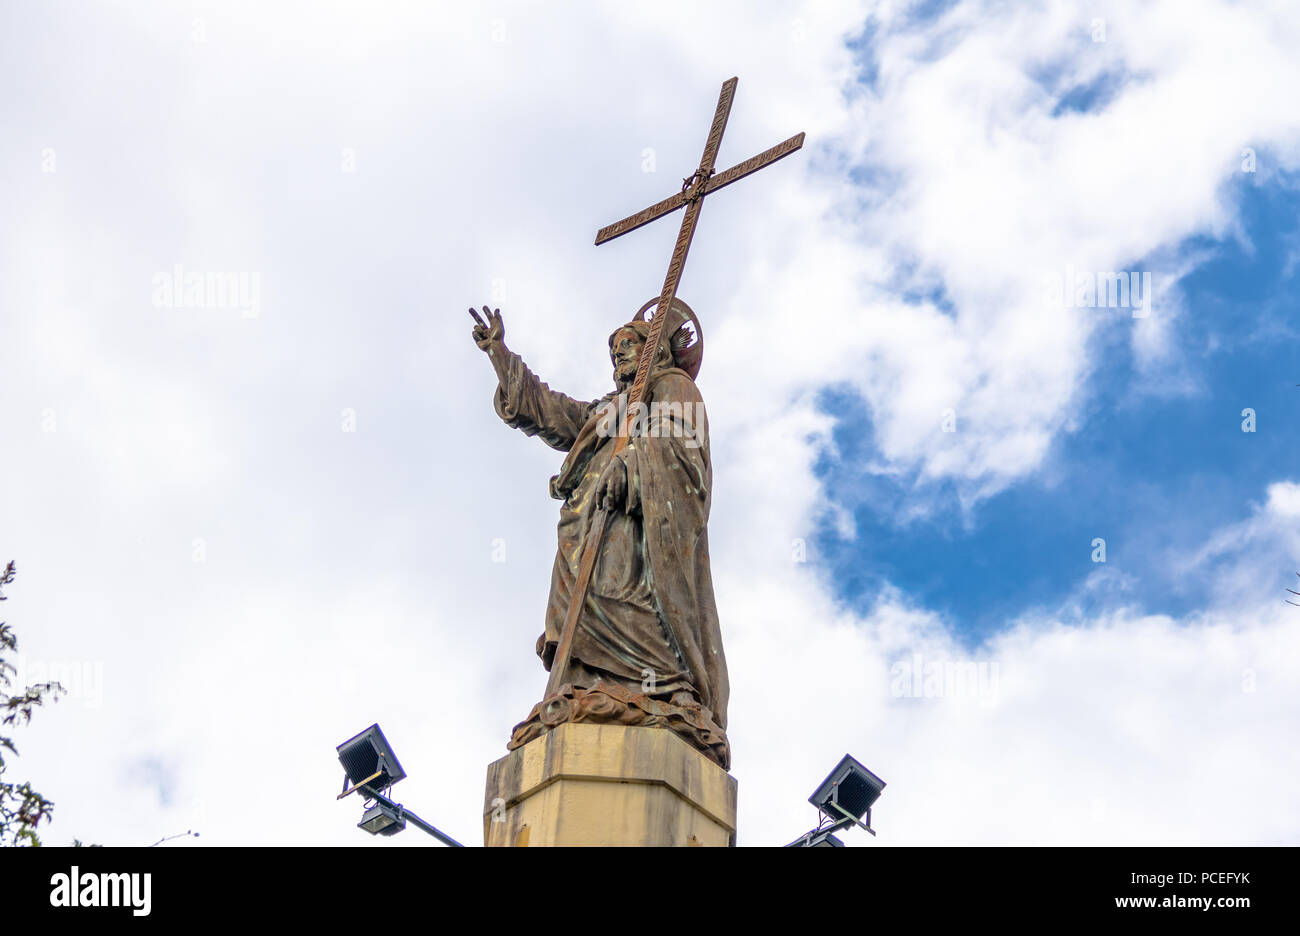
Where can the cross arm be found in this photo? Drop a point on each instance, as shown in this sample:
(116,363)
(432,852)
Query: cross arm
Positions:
(753,164)
(720,180)
(670,204)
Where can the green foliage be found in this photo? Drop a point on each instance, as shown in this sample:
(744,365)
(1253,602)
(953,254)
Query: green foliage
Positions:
(21,807)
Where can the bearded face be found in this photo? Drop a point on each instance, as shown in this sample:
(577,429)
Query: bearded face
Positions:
(625,352)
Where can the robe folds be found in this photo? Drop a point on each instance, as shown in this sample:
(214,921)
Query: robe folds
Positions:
(649,623)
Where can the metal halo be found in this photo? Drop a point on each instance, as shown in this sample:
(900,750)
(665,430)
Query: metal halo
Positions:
(686,340)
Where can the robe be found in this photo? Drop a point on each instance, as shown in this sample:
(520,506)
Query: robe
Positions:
(649,622)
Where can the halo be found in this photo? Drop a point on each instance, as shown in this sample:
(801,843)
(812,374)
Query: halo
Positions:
(685,336)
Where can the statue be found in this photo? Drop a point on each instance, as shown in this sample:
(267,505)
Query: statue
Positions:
(647,649)
(632,633)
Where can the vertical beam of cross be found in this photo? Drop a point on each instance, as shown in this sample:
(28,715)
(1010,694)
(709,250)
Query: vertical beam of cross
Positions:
(694,188)
(677,262)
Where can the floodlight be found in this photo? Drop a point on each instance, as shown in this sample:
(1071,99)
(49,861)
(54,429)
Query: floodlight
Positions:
(847,794)
(381,819)
(369,762)
(369,765)
(815,839)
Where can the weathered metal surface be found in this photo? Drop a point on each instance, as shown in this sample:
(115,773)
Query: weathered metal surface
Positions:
(692,189)
(669,204)
(649,352)
(753,164)
(700,703)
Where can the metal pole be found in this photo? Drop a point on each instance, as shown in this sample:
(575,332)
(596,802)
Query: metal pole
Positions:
(407,814)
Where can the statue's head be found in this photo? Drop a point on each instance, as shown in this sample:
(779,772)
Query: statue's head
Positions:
(681,345)
(625,352)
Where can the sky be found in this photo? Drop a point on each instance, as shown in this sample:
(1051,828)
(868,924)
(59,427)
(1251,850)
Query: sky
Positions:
(1022,551)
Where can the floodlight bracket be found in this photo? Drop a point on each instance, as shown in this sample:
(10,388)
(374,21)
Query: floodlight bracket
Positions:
(845,818)
(362,784)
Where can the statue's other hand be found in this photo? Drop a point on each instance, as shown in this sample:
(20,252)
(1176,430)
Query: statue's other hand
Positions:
(611,489)
(491,333)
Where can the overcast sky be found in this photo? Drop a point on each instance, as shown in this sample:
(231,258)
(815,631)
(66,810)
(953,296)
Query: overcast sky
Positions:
(246,531)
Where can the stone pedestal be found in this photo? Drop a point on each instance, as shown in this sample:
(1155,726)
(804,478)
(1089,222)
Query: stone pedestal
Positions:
(582,784)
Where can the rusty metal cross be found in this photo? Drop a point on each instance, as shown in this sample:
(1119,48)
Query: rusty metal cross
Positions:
(694,187)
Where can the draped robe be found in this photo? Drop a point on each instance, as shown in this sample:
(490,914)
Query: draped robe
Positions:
(649,622)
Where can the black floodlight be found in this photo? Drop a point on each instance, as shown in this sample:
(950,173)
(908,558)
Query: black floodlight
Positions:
(847,795)
(369,762)
(381,819)
(371,766)
(815,839)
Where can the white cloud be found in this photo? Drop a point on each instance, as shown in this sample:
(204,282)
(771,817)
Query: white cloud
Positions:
(1284,500)
(985,192)
(348,576)
(1095,729)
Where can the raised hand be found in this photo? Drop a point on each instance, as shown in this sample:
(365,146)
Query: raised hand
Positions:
(491,333)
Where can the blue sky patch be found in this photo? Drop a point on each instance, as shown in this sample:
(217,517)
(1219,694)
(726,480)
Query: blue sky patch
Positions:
(1152,474)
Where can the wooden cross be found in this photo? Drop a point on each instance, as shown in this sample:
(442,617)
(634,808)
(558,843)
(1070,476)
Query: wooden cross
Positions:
(694,188)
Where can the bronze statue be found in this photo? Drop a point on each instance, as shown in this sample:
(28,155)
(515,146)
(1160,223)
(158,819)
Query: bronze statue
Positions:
(647,649)
(631,627)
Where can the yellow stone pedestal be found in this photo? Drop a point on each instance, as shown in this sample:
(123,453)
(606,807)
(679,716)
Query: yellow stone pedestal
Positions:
(583,784)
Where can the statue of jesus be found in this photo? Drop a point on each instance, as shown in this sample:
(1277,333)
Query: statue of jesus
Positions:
(647,649)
